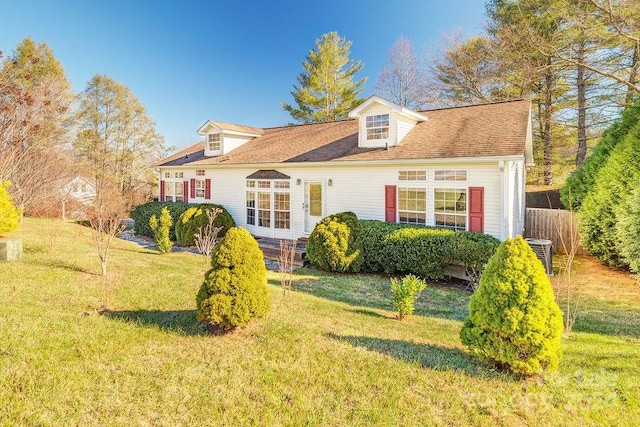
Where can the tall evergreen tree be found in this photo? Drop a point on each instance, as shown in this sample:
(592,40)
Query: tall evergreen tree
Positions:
(326,90)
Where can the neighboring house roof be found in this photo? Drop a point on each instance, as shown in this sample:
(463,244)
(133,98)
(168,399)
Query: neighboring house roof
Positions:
(486,130)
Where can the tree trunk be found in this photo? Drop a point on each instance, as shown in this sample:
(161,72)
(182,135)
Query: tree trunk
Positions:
(103,266)
(633,73)
(581,84)
(548,149)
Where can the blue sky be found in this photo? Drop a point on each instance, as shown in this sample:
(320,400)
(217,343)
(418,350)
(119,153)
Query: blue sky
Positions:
(233,60)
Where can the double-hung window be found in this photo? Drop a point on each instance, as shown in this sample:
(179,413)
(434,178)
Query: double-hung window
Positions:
(412,205)
(200,187)
(168,191)
(450,207)
(214,141)
(377,126)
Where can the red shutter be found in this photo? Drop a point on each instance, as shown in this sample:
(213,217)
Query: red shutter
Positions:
(193,188)
(185,192)
(161,191)
(207,189)
(476,209)
(390,203)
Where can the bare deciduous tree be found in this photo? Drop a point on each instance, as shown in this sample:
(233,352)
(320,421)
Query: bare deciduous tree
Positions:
(206,237)
(403,77)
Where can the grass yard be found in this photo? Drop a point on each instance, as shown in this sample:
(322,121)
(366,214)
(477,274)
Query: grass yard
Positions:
(329,353)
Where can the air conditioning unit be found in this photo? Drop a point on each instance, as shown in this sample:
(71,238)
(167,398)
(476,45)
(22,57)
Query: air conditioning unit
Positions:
(542,248)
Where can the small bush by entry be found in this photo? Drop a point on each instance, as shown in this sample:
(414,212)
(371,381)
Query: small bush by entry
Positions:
(335,243)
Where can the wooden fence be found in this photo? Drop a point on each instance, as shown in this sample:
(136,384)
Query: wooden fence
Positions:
(556,225)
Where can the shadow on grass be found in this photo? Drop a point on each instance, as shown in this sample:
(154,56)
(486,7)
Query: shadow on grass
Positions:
(428,356)
(182,322)
(610,322)
(66,265)
(374,291)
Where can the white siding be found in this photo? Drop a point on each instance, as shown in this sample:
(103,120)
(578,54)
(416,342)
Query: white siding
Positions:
(404,127)
(230,143)
(354,188)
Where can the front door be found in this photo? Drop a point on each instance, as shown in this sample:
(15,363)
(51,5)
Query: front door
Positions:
(313,205)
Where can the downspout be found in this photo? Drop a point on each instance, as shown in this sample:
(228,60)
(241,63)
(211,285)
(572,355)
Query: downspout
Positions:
(503,210)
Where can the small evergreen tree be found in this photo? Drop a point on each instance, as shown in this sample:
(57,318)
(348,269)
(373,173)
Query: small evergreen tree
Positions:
(405,292)
(326,90)
(628,231)
(235,290)
(514,321)
(9,214)
(161,230)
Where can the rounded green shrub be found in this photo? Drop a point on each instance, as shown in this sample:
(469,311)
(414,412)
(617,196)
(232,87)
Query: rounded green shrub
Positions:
(335,243)
(9,214)
(195,217)
(235,289)
(514,321)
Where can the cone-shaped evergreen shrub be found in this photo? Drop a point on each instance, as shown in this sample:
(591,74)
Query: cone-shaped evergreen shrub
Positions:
(335,243)
(161,230)
(196,217)
(628,231)
(9,215)
(235,289)
(514,321)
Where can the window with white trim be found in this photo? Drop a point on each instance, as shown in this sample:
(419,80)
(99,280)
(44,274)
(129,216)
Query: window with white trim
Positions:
(179,174)
(251,208)
(412,205)
(412,175)
(168,191)
(199,172)
(179,192)
(377,126)
(168,175)
(450,208)
(450,175)
(268,203)
(214,141)
(199,187)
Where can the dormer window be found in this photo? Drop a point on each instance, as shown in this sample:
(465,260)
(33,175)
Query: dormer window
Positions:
(378,126)
(214,142)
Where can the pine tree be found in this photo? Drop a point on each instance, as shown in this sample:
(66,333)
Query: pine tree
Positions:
(326,89)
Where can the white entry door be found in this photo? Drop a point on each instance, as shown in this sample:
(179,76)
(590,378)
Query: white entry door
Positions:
(313,205)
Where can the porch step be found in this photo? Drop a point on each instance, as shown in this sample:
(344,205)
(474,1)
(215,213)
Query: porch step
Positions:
(270,248)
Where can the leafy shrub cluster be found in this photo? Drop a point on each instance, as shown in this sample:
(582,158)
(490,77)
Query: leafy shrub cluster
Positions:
(335,243)
(235,289)
(405,292)
(9,214)
(608,203)
(424,251)
(514,321)
(582,180)
(195,217)
(142,214)
(161,230)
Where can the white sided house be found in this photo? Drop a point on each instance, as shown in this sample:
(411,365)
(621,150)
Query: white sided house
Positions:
(461,168)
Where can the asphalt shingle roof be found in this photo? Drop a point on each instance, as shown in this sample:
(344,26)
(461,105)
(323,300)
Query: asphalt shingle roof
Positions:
(487,130)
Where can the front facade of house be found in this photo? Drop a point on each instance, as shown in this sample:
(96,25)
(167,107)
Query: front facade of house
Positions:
(462,168)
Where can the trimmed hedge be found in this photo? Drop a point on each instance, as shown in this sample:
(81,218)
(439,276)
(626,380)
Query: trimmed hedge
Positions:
(335,243)
(142,214)
(195,217)
(424,251)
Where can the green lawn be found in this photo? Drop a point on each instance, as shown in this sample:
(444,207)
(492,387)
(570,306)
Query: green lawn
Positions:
(329,353)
